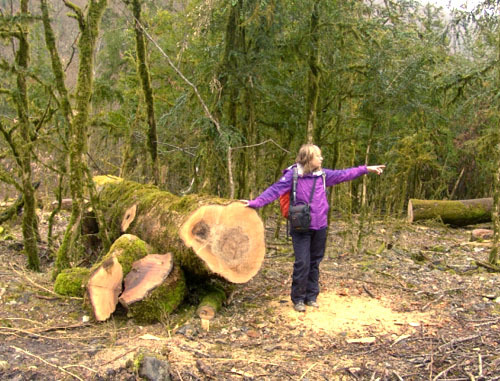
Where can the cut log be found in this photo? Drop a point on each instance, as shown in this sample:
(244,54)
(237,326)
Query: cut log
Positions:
(106,277)
(478,234)
(104,286)
(211,302)
(146,274)
(207,235)
(457,213)
(160,301)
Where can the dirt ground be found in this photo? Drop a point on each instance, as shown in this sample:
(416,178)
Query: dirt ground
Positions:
(411,305)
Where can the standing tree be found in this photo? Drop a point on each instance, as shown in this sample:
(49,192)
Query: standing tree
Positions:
(80,177)
(143,71)
(313,75)
(22,134)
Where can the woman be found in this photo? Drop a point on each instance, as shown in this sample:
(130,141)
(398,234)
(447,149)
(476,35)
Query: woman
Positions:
(309,246)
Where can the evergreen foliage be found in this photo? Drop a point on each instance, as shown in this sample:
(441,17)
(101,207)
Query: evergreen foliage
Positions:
(389,82)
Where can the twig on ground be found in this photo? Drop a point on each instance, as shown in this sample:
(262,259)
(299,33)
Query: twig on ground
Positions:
(41,287)
(308,370)
(46,362)
(459,340)
(80,366)
(368,292)
(444,372)
(73,326)
(120,356)
(397,375)
(432,301)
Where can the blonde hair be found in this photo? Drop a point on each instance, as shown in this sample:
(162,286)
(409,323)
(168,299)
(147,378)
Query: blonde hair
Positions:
(306,155)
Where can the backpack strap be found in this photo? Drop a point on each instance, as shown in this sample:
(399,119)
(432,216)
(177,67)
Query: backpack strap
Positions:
(294,185)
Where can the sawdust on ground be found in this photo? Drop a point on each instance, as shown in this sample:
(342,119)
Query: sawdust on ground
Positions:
(353,316)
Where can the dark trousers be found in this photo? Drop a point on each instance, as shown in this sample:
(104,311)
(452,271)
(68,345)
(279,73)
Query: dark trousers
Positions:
(309,248)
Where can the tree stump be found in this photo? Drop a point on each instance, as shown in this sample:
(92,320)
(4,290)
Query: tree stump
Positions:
(208,236)
(457,213)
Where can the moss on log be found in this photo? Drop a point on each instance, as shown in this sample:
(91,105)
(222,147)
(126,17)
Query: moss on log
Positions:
(207,235)
(127,249)
(70,282)
(161,301)
(458,213)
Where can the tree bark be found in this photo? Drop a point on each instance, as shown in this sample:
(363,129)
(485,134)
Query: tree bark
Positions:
(30,226)
(145,78)
(208,236)
(314,76)
(458,213)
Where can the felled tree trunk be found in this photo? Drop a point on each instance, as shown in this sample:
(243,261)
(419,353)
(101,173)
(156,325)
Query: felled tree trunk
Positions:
(105,282)
(207,235)
(458,213)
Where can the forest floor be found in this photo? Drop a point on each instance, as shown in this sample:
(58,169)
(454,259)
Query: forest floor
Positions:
(411,305)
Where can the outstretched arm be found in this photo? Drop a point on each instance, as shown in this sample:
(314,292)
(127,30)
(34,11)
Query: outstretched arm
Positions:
(377,169)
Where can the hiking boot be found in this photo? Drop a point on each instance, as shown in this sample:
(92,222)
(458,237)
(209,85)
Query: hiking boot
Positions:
(299,307)
(312,303)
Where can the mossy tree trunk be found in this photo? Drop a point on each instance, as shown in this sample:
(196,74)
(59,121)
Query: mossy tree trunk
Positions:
(208,236)
(30,231)
(493,257)
(313,77)
(79,178)
(63,97)
(145,78)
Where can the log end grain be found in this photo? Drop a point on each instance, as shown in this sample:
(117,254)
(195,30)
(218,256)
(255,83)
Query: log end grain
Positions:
(228,238)
(146,274)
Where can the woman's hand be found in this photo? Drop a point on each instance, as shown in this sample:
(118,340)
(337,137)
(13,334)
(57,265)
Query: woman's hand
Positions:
(244,202)
(377,169)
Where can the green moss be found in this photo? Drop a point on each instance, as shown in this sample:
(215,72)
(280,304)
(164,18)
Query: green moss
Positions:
(127,248)
(162,301)
(71,282)
(213,296)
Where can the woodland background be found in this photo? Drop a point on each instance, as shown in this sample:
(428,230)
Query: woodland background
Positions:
(216,97)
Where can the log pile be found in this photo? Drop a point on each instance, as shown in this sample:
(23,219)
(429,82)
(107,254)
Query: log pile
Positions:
(208,241)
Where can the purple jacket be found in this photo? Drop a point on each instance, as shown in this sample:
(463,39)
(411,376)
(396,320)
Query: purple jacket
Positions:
(319,204)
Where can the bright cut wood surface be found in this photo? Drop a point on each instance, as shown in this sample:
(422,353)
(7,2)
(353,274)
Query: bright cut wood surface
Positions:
(104,287)
(228,238)
(146,274)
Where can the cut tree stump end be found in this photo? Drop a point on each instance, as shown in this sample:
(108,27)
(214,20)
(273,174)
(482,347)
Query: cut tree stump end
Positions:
(228,238)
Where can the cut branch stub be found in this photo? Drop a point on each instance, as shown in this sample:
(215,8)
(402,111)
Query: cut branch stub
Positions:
(146,274)
(229,239)
(128,217)
(104,286)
